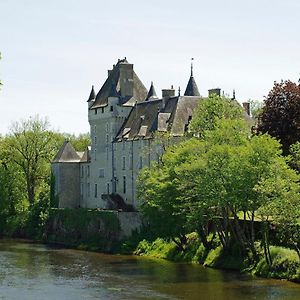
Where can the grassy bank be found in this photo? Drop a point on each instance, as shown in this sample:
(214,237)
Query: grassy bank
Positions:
(285,262)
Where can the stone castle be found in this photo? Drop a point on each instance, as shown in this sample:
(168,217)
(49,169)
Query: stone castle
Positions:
(124,121)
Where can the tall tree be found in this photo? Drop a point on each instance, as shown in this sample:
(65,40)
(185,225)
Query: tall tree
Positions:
(29,147)
(280,116)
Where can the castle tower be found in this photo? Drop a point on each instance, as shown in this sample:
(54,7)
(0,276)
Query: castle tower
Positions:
(108,110)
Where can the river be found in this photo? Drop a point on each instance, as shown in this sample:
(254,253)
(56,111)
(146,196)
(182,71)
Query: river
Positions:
(34,272)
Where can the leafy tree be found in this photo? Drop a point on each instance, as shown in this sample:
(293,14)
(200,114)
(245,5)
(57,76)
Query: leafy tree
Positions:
(295,156)
(280,115)
(212,109)
(29,148)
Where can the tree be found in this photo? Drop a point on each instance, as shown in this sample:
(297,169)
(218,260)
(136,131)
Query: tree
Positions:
(212,109)
(29,147)
(280,116)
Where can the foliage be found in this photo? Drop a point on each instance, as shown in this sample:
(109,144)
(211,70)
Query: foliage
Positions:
(211,110)
(256,107)
(280,115)
(29,148)
(285,265)
(25,155)
(295,156)
(207,182)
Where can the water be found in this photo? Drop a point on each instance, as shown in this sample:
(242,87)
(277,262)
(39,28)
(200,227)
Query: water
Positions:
(31,271)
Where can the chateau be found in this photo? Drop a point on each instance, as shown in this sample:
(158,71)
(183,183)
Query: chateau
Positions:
(124,121)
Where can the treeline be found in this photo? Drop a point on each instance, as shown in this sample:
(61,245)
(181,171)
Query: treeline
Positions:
(229,180)
(25,179)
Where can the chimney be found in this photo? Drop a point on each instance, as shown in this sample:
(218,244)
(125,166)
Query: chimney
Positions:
(246,106)
(126,79)
(167,93)
(216,92)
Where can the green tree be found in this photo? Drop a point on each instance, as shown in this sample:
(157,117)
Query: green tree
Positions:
(29,148)
(280,115)
(212,109)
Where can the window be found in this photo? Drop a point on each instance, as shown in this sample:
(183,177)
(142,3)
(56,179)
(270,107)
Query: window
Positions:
(124,184)
(111,108)
(101,172)
(81,190)
(95,129)
(96,111)
(123,145)
(88,171)
(123,163)
(141,162)
(88,189)
(82,171)
(107,127)
(107,139)
(96,190)
(130,163)
(102,110)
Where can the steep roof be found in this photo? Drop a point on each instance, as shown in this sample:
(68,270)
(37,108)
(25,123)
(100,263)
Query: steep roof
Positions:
(151,93)
(171,115)
(112,86)
(92,95)
(66,153)
(191,88)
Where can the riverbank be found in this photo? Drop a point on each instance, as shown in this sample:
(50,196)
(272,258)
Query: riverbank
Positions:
(285,262)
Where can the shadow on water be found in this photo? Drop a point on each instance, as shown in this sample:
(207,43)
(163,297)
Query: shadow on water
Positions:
(31,271)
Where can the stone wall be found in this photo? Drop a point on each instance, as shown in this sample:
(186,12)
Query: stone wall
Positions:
(92,229)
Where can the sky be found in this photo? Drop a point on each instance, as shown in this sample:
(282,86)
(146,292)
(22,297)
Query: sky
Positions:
(54,51)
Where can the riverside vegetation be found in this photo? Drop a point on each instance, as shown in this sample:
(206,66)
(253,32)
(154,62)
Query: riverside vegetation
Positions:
(224,195)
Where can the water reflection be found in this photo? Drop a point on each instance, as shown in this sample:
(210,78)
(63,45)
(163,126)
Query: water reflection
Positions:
(29,271)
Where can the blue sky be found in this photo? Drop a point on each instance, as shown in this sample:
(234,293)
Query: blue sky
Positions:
(53,51)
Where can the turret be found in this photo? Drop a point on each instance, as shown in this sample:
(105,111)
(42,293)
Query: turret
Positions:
(152,93)
(92,97)
(191,88)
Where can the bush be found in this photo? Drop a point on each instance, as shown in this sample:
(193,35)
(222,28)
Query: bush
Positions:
(285,264)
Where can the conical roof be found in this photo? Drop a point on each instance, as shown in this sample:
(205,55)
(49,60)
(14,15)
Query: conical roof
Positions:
(92,95)
(191,88)
(151,93)
(66,154)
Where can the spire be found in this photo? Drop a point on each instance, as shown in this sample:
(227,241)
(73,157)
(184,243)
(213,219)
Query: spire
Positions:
(92,95)
(191,88)
(151,94)
(192,66)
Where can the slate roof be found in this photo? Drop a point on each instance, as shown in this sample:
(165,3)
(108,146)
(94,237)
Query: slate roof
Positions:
(191,88)
(92,95)
(152,93)
(67,154)
(173,115)
(112,85)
